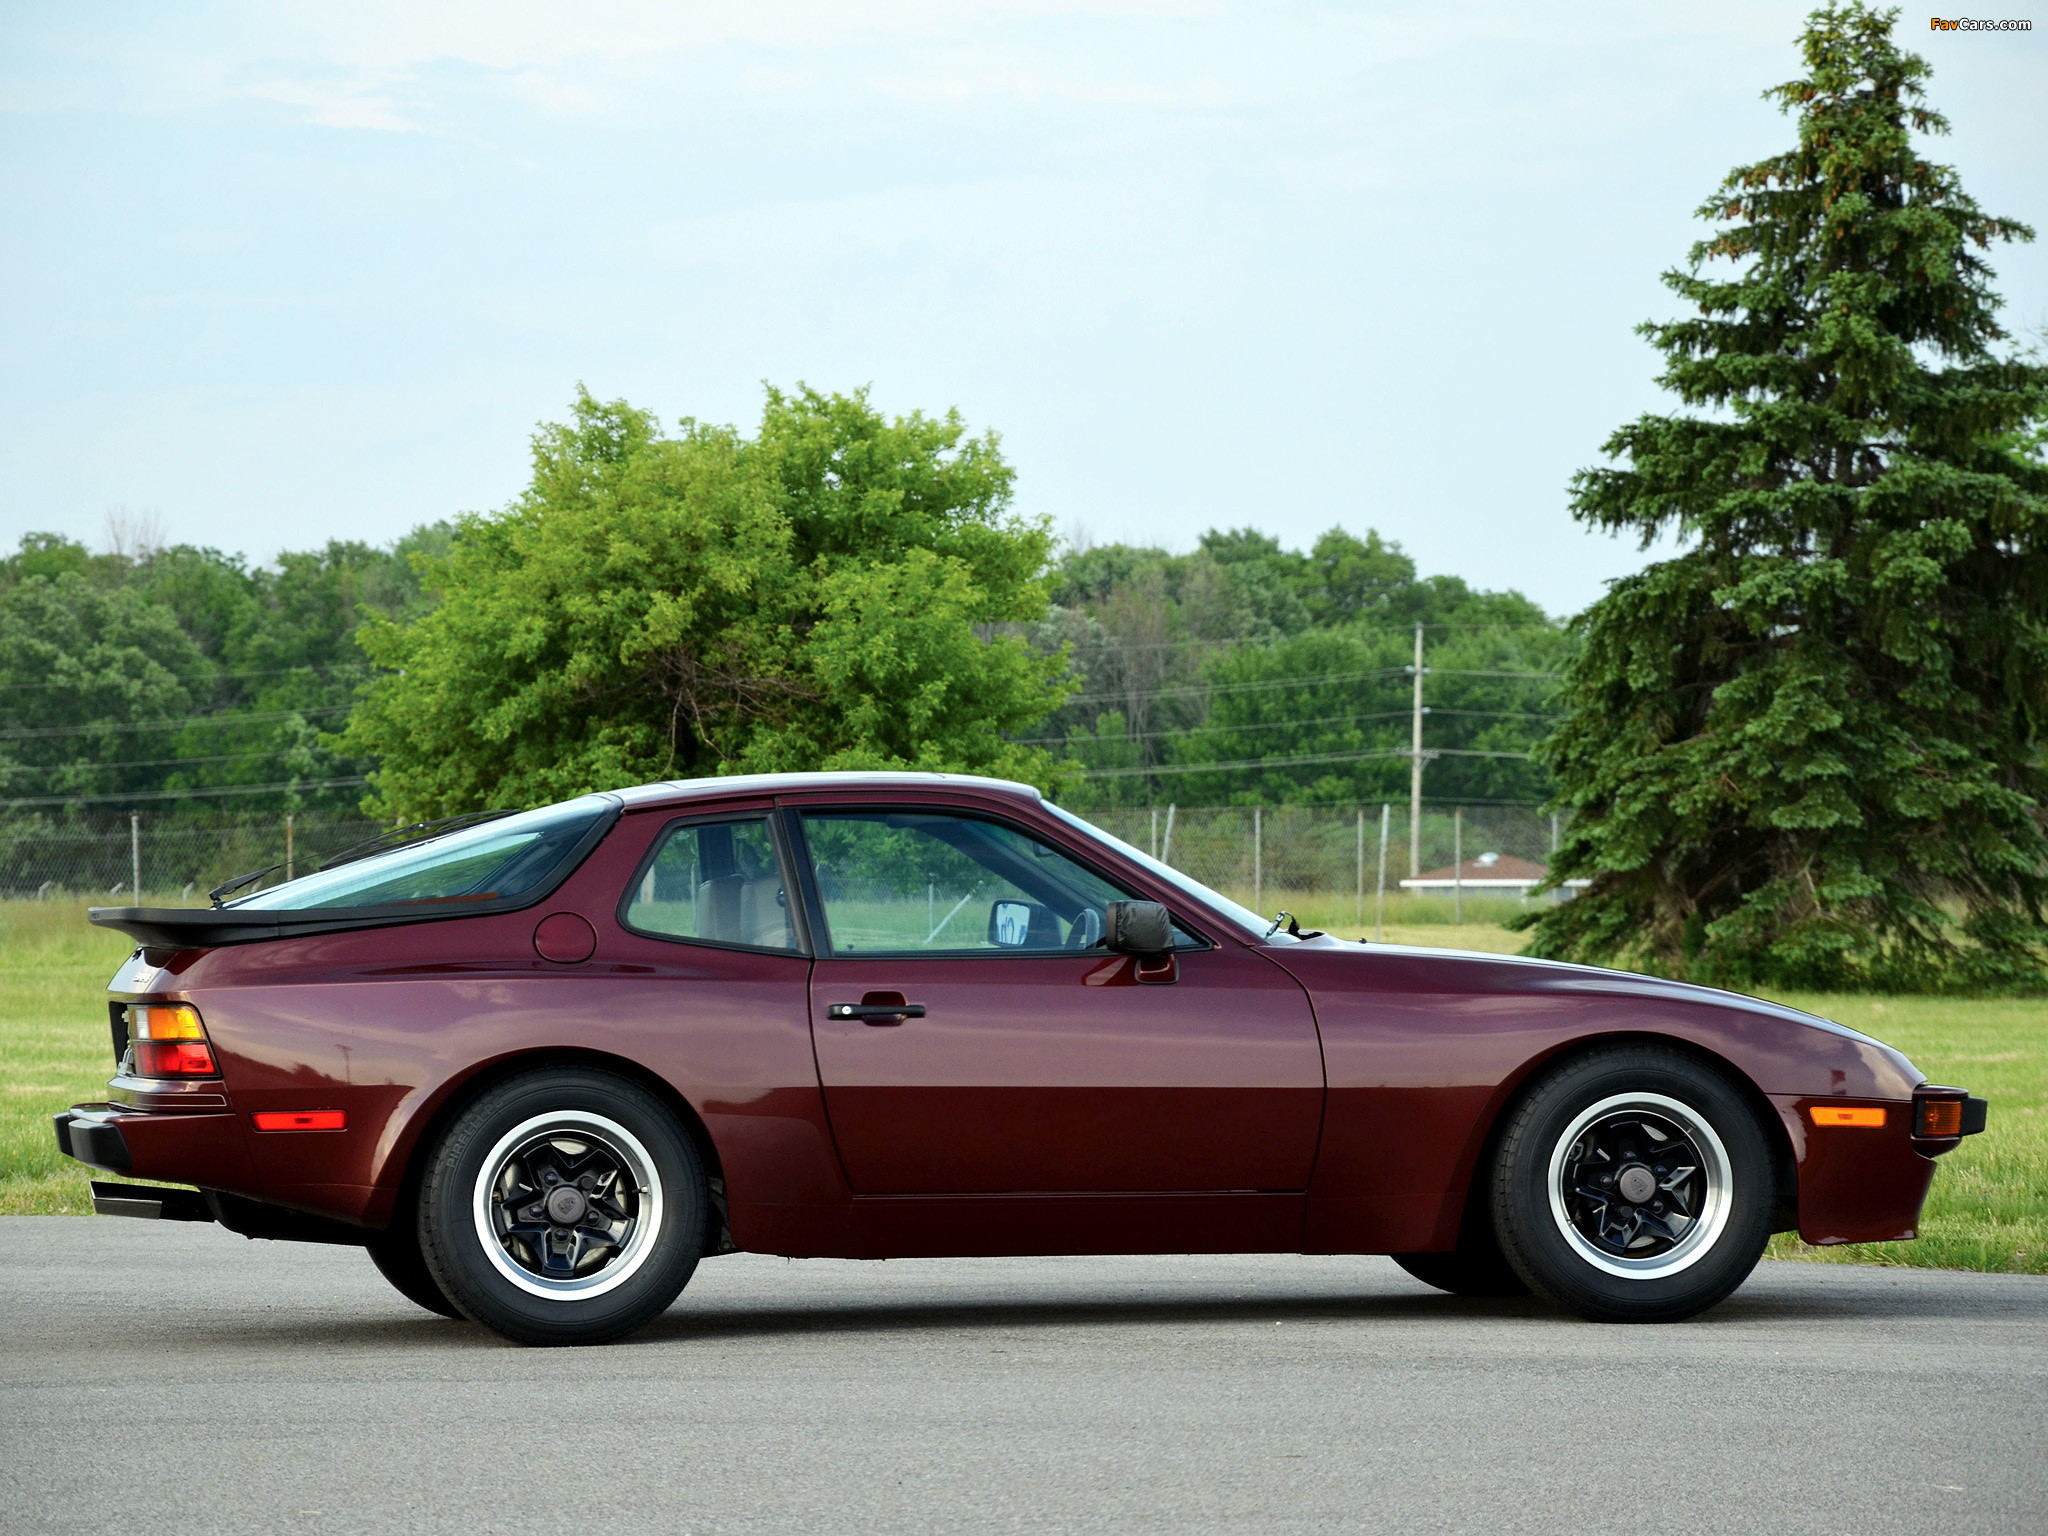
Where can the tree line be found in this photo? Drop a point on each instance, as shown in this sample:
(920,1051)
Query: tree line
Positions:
(837,589)
(1806,751)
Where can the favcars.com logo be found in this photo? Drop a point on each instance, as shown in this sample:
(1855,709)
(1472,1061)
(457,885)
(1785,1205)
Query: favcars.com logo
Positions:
(1969,24)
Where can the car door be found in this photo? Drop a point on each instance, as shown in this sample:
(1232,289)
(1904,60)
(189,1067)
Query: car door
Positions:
(995,1051)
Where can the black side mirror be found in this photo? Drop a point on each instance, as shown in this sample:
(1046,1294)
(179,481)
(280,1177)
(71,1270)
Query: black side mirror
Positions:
(1137,928)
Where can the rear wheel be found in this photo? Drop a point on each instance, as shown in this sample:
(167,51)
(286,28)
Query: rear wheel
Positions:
(1635,1184)
(564,1207)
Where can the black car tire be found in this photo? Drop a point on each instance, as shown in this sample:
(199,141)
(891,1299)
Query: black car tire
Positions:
(1634,1184)
(1476,1267)
(563,1207)
(396,1253)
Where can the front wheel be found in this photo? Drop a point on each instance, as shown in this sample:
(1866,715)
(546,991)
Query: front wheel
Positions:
(564,1207)
(1635,1184)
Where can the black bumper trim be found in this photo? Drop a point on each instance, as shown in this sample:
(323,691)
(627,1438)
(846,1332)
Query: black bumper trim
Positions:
(1974,1113)
(95,1142)
(149,1203)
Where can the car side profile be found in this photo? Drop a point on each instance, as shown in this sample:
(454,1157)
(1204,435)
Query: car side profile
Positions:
(541,1064)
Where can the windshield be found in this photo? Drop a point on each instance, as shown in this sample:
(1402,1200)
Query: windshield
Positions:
(1245,917)
(497,861)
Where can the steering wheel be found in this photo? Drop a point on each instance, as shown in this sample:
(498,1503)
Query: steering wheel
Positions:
(1087,929)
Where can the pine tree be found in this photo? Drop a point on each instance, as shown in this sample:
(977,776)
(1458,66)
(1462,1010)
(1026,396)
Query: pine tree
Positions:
(1807,752)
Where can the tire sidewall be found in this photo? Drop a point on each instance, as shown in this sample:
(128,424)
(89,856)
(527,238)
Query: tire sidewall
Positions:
(454,1249)
(1528,1229)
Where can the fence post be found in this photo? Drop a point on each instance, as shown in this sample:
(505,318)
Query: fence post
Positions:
(1458,865)
(1166,848)
(135,852)
(1361,864)
(1155,832)
(287,845)
(1379,911)
(1258,861)
(1553,834)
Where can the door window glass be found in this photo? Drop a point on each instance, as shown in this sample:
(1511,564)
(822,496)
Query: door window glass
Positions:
(896,882)
(715,881)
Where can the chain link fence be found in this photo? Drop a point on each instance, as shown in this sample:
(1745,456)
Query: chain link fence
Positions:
(1257,855)
(169,859)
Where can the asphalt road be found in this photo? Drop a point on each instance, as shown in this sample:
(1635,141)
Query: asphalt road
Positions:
(159,1377)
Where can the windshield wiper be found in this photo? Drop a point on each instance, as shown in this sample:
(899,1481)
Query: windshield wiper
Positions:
(228,888)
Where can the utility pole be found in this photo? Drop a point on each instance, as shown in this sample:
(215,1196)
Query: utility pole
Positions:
(1415,771)
(1361,863)
(1379,911)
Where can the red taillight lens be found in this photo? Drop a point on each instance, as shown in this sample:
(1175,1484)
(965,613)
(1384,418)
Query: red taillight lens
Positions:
(174,1058)
(1940,1117)
(169,1041)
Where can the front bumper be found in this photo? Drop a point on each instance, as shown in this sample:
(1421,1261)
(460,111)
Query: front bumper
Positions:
(1864,1180)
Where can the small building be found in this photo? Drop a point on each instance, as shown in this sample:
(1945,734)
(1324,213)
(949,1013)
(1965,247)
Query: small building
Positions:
(1490,874)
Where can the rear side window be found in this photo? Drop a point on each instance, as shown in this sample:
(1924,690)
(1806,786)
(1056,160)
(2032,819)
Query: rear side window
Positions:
(499,861)
(715,882)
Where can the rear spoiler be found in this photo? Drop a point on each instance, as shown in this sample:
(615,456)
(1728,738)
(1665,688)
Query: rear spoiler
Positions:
(205,927)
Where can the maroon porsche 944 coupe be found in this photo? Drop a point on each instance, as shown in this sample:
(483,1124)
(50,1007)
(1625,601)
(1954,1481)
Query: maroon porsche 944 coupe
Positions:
(540,1064)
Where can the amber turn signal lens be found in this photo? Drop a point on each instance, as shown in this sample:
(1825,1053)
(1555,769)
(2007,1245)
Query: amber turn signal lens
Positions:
(164,1021)
(1842,1114)
(300,1120)
(1941,1117)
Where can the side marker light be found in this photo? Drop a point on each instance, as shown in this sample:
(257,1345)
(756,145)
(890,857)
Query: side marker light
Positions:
(1842,1114)
(301,1120)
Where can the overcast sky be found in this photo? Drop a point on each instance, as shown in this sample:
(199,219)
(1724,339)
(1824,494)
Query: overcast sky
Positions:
(279,274)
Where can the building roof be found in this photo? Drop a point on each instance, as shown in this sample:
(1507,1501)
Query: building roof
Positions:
(1487,869)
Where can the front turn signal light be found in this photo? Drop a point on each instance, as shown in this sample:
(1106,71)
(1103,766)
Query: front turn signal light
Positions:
(1940,1117)
(169,1041)
(1845,1114)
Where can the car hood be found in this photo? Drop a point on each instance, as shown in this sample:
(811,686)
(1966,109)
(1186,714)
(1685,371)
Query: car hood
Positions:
(1525,972)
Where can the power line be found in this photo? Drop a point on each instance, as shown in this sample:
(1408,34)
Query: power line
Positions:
(222,717)
(300,785)
(1303,761)
(1261,683)
(150,762)
(203,677)
(1283,725)
(1239,642)
(1302,681)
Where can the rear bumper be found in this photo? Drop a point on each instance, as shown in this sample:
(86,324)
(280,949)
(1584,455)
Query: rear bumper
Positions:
(183,1147)
(91,1133)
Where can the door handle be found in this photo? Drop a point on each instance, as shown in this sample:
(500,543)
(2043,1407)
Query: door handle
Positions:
(875,1013)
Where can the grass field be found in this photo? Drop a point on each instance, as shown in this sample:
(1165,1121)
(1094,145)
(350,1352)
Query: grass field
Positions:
(1989,1209)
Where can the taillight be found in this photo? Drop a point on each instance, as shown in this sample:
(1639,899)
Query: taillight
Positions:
(169,1041)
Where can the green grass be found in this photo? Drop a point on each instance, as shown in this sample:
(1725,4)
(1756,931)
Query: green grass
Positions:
(1989,1208)
(54,968)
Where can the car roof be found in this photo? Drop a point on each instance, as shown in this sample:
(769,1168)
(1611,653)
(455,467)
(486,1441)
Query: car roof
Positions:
(679,791)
